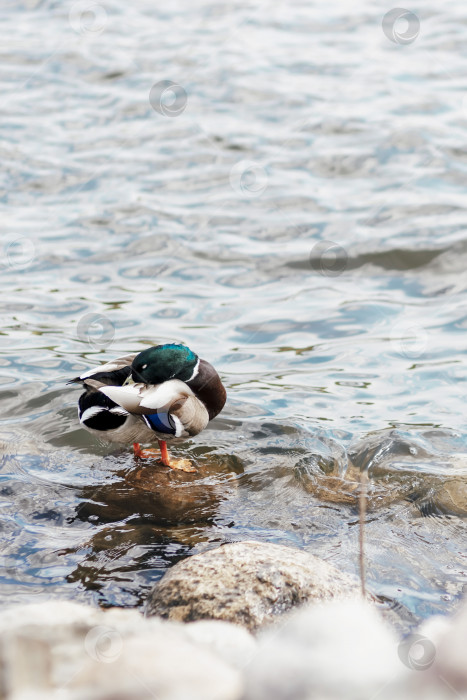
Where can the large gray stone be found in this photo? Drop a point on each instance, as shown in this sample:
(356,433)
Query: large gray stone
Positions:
(248,583)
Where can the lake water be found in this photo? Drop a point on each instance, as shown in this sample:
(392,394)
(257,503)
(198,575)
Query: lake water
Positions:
(281,186)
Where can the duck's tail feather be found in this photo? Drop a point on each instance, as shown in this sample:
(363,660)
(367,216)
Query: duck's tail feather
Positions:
(98,412)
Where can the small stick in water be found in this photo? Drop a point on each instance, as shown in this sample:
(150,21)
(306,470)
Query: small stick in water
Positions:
(362,501)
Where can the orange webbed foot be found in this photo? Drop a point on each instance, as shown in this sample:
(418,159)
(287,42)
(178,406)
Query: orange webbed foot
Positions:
(145,454)
(183,465)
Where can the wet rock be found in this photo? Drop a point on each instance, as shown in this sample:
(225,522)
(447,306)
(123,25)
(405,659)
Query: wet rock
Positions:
(400,453)
(339,650)
(449,498)
(69,651)
(388,450)
(331,489)
(324,456)
(248,583)
(423,468)
(321,472)
(160,495)
(389,456)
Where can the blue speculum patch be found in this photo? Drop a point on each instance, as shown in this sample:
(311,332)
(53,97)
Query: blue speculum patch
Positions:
(161,422)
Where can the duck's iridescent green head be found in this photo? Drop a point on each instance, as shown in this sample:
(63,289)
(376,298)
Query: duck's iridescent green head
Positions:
(162,362)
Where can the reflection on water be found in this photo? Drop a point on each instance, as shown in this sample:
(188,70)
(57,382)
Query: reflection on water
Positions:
(296,214)
(164,496)
(154,516)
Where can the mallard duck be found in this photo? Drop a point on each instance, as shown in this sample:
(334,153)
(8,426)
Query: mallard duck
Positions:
(165,393)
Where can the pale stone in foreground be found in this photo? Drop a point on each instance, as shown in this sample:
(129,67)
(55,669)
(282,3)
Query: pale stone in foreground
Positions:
(339,650)
(234,644)
(65,651)
(334,650)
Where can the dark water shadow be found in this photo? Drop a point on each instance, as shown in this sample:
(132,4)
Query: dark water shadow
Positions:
(147,518)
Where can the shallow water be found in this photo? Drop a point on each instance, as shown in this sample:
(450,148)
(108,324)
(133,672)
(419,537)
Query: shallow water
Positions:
(295,213)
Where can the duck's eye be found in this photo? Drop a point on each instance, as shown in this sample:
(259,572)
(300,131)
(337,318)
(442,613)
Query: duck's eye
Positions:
(144,366)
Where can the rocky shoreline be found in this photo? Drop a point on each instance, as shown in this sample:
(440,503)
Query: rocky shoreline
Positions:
(246,621)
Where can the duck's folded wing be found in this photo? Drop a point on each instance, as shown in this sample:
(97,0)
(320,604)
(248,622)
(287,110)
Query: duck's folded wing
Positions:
(128,397)
(143,399)
(170,407)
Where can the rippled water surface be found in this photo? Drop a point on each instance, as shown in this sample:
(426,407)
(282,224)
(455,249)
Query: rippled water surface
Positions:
(294,211)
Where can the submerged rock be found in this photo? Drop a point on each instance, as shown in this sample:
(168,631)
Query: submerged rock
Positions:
(424,468)
(160,495)
(248,583)
(448,498)
(421,468)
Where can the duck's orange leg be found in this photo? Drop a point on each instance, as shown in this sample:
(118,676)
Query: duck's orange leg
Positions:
(164,453)
(183,464)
